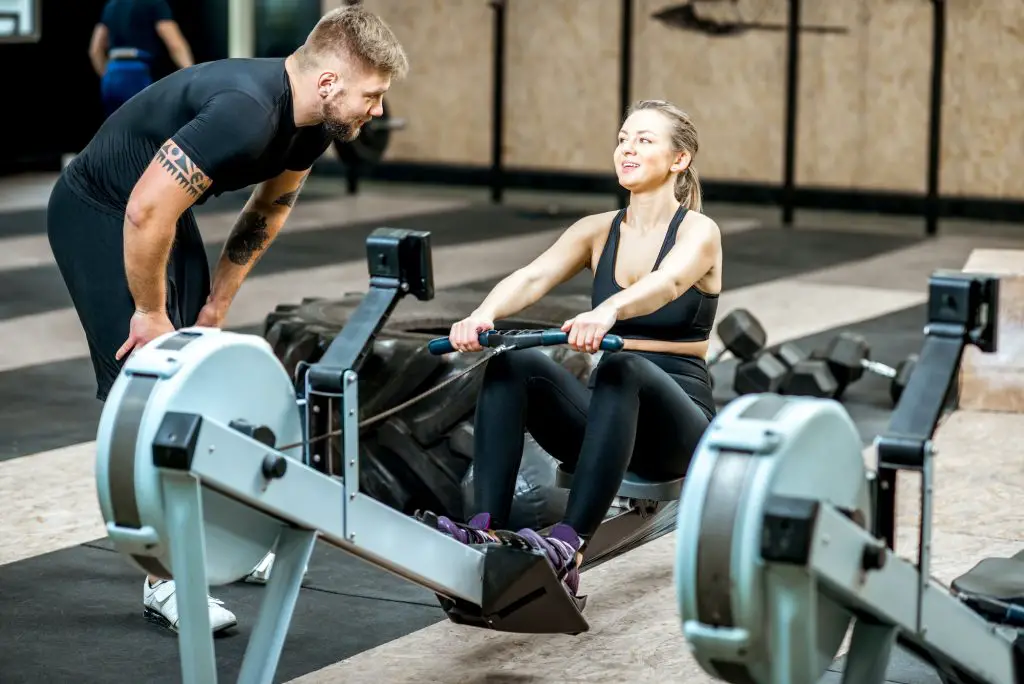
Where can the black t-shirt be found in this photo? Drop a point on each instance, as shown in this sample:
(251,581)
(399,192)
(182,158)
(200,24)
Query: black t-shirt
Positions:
(232,117)
(132,24)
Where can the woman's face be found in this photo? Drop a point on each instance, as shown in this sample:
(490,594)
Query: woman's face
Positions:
(644,156)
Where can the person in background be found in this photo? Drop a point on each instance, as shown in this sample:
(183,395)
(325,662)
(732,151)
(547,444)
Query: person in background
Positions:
(126,41)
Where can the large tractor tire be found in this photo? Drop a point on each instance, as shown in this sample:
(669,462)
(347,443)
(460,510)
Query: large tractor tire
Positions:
(413,459)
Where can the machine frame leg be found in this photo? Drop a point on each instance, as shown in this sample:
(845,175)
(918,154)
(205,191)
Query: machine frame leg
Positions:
(294,548)
(870,651)
(794,611)
(184,508)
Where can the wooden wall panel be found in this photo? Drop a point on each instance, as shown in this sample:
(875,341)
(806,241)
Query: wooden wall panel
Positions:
(863,102)
(562,84)
(983,92)
(863,99)
(446,99)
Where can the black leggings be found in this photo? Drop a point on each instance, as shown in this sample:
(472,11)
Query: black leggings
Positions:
(641,412)
(87,240)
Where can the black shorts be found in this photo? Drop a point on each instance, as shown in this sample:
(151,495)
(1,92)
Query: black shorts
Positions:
(88,246)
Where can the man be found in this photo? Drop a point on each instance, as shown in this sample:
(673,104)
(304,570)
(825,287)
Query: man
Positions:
(120,222)
(125,43)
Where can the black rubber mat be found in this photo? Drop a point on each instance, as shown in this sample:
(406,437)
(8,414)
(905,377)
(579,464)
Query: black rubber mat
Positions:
(33,221)
(47,406)
(750,256)
(52,405)
(76,616)
(40,289)
(904,668)
(757,256)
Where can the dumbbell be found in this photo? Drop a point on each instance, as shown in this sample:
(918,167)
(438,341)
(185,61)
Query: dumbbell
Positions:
(742,336)
(849,355)
(768,370)
(811,377)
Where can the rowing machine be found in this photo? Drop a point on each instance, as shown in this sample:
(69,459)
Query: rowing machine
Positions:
(644,509)
(207,458)
(778,546)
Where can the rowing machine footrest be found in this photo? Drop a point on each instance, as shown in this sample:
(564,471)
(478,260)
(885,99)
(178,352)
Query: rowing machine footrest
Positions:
(633,486)
(521,594)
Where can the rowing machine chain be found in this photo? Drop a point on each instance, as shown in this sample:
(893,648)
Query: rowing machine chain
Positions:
(405,404)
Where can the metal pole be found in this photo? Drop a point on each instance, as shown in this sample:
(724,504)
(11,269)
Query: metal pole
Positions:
(935,116)
(792,94)
(241,28)
(498,103)
(625,76)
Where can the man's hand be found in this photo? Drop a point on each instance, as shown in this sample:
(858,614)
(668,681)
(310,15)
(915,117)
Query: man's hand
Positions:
(212,315)
(143,329)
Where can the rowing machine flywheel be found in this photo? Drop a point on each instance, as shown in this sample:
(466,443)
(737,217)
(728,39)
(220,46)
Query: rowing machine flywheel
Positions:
(221,376)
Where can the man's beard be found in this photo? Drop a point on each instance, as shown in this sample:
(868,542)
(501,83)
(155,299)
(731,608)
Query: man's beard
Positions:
(340,129)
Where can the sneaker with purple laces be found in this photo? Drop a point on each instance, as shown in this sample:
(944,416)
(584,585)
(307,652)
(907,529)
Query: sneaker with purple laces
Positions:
(475,531)
(561,546)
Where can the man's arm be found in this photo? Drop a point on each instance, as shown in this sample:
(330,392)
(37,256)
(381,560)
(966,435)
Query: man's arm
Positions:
(259,223)
(168,187)
(98,46)
(231,129)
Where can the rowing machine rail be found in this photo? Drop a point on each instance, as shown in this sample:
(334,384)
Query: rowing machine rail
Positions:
(193,485)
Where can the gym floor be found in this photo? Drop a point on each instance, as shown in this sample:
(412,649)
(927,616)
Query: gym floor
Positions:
(72,608)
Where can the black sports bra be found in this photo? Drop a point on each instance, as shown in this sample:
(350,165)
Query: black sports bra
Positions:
(688,318)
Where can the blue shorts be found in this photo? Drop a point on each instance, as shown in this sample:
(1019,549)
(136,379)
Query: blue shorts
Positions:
(124,79)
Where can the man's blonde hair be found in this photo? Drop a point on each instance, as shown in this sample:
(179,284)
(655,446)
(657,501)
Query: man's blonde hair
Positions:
(358,33)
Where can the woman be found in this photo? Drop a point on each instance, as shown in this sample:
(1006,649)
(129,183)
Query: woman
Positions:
(647,406)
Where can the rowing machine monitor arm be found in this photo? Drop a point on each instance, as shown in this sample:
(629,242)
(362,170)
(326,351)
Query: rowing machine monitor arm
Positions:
(399,263)
(962,310)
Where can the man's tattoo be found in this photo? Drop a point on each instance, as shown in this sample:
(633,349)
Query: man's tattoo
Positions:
(288,199)
(249,238)
(175,162)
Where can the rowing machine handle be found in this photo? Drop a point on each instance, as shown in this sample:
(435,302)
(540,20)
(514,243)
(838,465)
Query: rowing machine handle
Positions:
(522,340)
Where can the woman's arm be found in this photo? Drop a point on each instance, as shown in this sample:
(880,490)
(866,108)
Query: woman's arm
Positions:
(694,254)
(570,254)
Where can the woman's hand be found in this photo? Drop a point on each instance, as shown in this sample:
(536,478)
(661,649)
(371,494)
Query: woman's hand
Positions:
(587,329)
(465,335)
